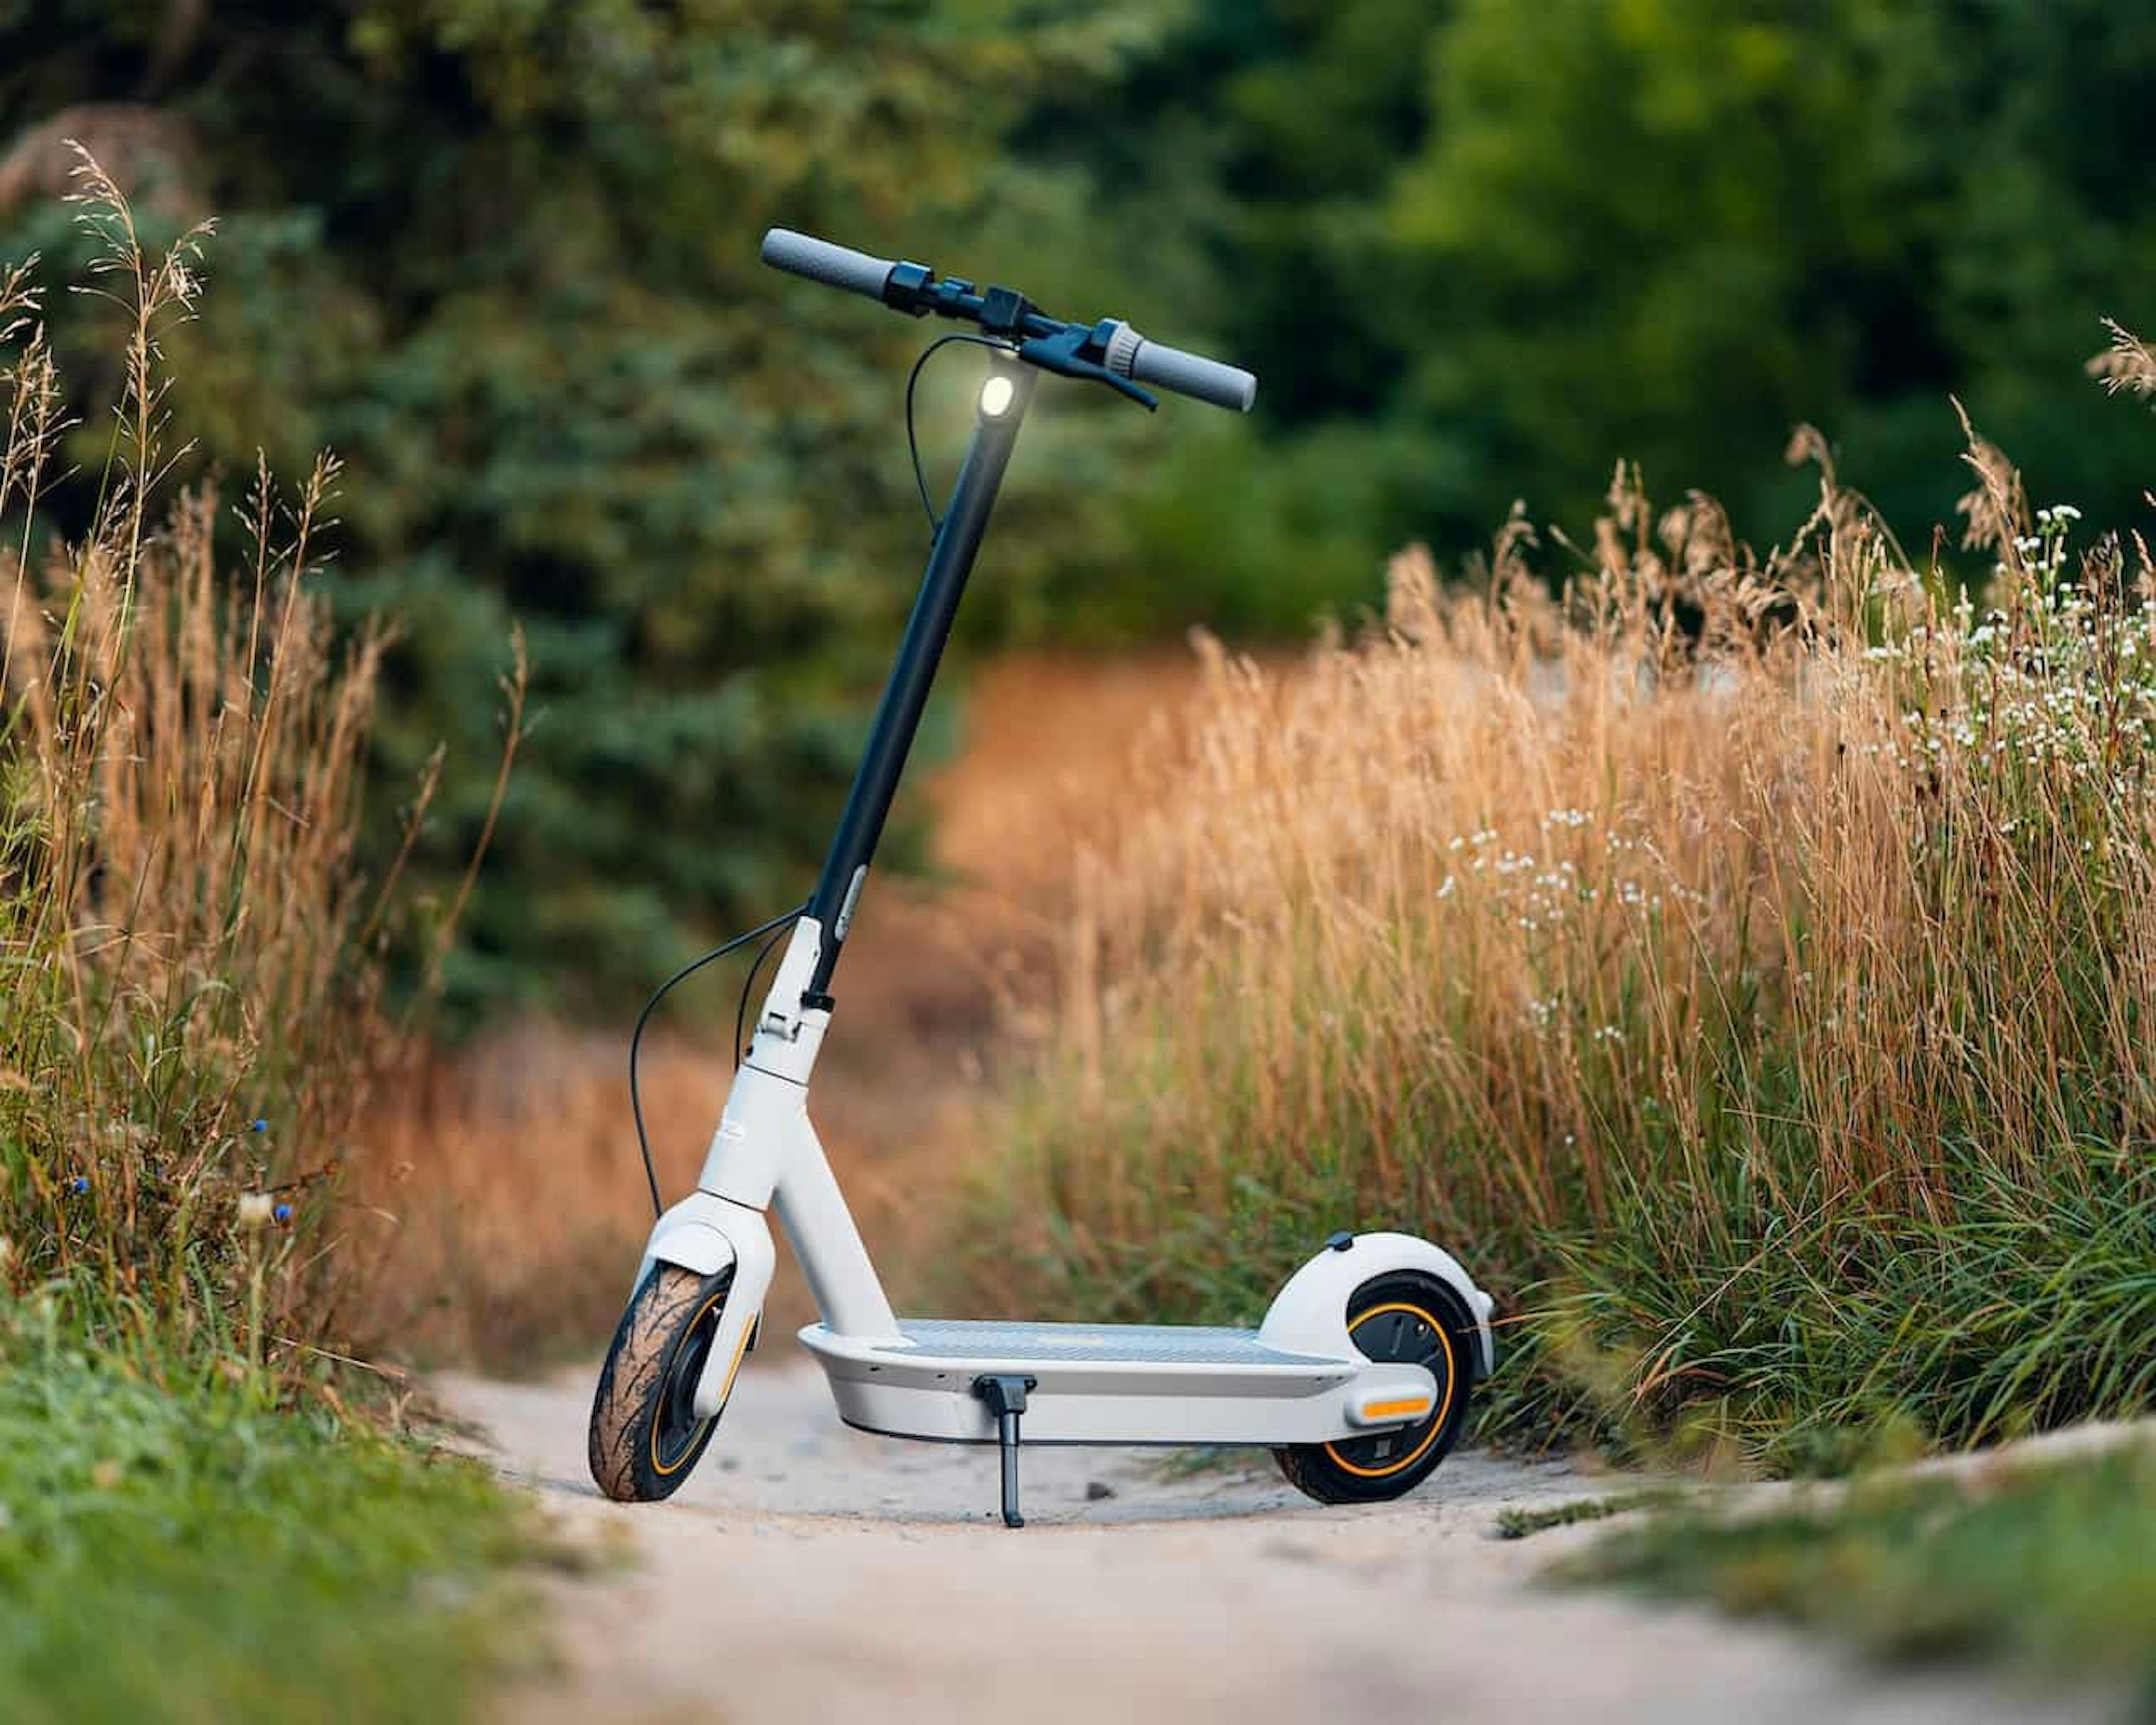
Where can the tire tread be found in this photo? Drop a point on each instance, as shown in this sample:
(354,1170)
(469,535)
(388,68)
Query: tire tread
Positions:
(633,1384)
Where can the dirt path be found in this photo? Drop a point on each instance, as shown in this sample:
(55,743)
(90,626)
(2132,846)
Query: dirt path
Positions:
(809,1572)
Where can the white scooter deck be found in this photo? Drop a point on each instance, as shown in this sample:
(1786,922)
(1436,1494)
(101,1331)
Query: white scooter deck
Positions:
(1105,1383)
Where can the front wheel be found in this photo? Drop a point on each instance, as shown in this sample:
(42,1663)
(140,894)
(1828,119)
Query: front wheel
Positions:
(645,1435)
(1402,1318)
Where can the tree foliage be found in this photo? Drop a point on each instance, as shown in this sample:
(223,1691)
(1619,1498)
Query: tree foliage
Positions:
(502,256)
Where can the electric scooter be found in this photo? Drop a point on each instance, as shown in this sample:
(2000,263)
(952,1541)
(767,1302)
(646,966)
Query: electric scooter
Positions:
(1360,1375)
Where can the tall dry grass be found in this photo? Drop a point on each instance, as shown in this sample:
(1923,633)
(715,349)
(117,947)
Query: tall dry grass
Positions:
(191,1016)
(1747,963)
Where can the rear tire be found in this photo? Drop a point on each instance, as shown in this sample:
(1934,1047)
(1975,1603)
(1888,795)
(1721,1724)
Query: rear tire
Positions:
(645,1437)
(1402,1317)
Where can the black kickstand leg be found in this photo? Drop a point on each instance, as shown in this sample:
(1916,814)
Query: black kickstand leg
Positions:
(1005,1394)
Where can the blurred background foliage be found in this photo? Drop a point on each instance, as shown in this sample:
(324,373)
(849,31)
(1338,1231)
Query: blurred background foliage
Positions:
(501,255)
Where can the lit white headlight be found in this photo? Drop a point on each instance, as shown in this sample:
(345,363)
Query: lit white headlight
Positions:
(996,397)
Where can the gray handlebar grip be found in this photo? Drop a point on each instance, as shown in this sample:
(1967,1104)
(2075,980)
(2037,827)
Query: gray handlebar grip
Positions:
(1194,375)
(834,266)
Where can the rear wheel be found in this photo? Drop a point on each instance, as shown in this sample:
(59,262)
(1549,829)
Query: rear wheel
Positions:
(645,1436)
(1405,1318)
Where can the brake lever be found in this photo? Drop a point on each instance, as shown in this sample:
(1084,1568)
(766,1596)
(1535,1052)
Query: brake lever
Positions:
(1065,354)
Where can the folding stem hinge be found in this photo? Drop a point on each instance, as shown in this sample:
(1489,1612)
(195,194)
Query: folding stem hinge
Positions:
(783,1007)
(1005,1393)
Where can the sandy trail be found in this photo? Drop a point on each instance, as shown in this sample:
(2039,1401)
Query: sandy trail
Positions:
(808,1573)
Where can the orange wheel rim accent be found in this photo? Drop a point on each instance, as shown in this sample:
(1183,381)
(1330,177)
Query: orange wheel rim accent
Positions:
(688,1449)
(1444,1402)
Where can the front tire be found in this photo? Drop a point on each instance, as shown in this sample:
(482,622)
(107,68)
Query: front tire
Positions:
(1403,1317)
(645,1436)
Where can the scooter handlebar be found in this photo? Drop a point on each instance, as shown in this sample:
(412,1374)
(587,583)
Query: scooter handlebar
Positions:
(1116,347)
(1190,374)
(837,266)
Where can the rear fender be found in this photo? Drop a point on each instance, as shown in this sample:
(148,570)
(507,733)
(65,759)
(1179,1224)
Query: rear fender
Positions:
(1310,1314)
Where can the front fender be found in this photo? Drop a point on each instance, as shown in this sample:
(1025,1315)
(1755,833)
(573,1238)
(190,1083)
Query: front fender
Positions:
(692,1245)
(706,1234)
(1310,1314)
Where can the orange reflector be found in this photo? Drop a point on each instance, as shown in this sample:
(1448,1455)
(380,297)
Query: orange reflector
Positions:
(1396,1410)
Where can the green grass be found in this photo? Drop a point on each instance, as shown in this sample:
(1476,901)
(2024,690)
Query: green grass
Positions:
(2051,1570)
(177,1550)
(1521,1523)
(1854,1338)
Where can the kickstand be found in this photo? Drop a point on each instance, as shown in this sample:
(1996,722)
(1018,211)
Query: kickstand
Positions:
(1005,1394)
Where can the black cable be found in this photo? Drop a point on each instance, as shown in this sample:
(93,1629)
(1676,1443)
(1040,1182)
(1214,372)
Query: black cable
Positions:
(912,445)
(779,923)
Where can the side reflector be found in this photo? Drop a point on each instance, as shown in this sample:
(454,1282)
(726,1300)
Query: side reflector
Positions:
(1406,1407)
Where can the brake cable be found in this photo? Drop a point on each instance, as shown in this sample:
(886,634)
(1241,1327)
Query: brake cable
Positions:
(774,927)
